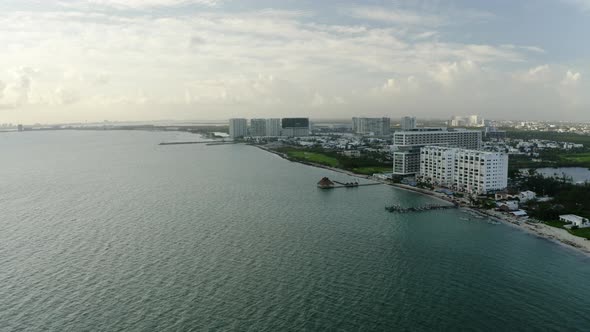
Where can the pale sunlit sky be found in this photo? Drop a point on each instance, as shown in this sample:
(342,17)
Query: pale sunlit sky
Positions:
(94,60)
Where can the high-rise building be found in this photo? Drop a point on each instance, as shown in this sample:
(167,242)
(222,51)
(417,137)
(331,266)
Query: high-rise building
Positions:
(407,144)
(471,121)
(295,127)
(408,122)
(471,171)
(374,126)
(273,127)
(257,127)
(238,128)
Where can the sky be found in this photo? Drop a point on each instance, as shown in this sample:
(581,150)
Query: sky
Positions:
(122,60)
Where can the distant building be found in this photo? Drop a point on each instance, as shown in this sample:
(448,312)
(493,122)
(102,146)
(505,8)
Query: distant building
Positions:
(508,206)
(461,121)
(258,127)
(408,123)
(373,126)
(238,128)
(471,171)
(273,127)
(295,127)
(20,127)
(407,144)
(526,196)
(504,195)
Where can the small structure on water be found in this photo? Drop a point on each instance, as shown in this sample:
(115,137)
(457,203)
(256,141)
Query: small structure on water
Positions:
(325,183)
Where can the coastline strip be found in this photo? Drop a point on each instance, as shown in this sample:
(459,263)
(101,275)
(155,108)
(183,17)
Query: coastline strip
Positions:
(540,230)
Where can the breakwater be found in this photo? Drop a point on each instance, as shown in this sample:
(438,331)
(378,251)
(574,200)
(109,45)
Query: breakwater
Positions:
(181,143)
(424,208)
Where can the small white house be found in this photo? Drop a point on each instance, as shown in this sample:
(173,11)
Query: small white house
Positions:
(508,205)
(351,153)
(526,196)
(520,214)
(575,220)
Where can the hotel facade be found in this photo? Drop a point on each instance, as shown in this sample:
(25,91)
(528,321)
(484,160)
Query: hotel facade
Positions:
(470,171)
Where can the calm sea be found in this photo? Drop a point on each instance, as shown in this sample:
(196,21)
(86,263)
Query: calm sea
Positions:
(108,231)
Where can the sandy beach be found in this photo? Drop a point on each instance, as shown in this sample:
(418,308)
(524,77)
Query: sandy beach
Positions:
(557,235)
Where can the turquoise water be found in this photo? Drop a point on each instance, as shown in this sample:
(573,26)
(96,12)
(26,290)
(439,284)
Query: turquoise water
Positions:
(107,231)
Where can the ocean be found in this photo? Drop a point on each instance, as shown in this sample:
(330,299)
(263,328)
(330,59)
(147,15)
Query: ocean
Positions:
(108,231)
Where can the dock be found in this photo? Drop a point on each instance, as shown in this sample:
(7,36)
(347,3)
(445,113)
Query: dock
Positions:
(199,142)
(354,184)
(180,143)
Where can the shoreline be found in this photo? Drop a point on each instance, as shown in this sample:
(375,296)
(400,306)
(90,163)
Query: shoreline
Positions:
(540,230)
(334,169)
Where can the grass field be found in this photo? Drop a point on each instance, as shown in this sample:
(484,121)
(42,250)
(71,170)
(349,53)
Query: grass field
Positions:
(581,232)
(372,170)
(578,157)
(313,157)
(556,224)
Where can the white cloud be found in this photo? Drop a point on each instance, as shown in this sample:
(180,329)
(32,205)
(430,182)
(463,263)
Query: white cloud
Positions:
(583,5)
(538,74)
(262,62)
(398,16)
(136,4)
(571,78)
(66,96)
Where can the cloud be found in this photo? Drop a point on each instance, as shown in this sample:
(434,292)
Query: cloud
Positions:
(214,64)
(583,5)
(66,96)
(411,14)
(137,4)
(538,74)
(397,16)
(2,87)
(571,78)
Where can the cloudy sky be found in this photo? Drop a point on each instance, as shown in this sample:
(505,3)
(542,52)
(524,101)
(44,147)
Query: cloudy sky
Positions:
(94,60)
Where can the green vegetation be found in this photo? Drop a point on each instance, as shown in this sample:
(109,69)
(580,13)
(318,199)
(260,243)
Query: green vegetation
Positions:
(551,158)
(567,197)
(549,135)
(368,164)
(425,185)
(555,223)
(581,232)
(371,170)
(313,157)
(583,157)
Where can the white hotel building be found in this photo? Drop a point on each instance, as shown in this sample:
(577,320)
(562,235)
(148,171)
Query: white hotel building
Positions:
(471,171)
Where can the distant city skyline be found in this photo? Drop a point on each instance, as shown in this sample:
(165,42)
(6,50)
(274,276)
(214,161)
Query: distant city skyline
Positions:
(131,60)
